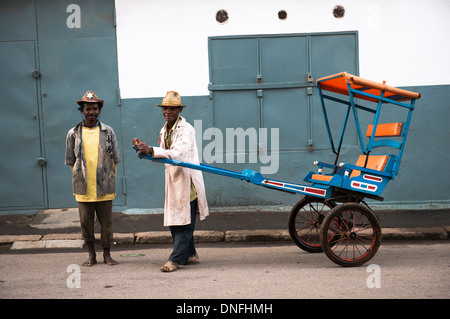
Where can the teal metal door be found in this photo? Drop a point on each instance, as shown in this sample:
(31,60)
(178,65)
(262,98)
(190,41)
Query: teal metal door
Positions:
(268,82)
(331,54)
(71,47)
(77,48)
(21,177)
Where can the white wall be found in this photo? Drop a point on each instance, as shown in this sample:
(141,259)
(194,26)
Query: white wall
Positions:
(162,44)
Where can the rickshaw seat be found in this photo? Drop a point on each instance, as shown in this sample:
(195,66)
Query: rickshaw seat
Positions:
(375,162)
(371,172)
(320,177)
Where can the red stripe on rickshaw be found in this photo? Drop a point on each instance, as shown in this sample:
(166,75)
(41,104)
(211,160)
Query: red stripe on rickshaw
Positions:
(320,192)
(275,183)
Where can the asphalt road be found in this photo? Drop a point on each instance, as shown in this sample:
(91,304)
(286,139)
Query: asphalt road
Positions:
(418,269)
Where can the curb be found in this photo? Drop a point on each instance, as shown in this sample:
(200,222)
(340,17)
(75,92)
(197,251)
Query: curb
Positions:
(74,240)
(419,233)
(39,244)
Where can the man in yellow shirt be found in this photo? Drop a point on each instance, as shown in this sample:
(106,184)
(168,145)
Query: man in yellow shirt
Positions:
(93,154)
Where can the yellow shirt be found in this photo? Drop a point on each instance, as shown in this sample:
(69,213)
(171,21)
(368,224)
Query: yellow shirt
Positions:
(91,138)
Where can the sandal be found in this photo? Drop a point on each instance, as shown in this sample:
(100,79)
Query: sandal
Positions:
(193,260)
(169,266)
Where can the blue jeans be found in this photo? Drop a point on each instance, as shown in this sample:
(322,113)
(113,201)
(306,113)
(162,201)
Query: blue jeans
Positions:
(183,238)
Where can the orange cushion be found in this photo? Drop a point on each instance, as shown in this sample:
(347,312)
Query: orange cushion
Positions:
(338,83)
(390,129)
(319,177)
(376,162)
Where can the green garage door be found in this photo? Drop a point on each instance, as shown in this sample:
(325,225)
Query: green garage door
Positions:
(71,47)
(21,176)
(269,81)
(77,48)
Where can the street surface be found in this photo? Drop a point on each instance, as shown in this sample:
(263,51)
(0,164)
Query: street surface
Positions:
(401,269)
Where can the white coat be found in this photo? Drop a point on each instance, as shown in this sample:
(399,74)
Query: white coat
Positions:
(177,210)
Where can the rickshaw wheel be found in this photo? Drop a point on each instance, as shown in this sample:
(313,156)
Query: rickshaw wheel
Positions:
(350,234)
(304,222)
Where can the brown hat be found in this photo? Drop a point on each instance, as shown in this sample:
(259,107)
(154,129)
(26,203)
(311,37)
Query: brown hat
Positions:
(172,98)
(90,97)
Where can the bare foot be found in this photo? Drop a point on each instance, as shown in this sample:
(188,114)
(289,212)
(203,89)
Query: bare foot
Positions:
(108,260)
(90,262)
(193,260)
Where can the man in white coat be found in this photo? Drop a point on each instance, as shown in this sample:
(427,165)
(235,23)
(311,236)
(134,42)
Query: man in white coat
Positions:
(185,189)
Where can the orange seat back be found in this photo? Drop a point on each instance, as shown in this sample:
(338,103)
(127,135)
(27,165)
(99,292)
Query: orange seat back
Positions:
(390,129)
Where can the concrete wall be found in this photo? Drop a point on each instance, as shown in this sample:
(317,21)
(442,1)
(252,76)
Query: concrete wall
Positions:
(163,45)
(421,180)
(399,41)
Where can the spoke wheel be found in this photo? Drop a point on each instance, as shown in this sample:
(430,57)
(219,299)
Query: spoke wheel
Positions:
(350,234)
(304,222)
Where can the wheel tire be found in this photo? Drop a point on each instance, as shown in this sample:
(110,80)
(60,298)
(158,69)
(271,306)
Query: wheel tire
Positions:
(355,234)
(304,222)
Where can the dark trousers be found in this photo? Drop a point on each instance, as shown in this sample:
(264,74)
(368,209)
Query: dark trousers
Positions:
(183,238)
(104,215)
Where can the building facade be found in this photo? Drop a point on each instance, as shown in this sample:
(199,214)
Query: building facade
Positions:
(246,71)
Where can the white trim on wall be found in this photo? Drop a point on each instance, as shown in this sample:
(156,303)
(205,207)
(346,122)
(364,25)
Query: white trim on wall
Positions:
(162,45)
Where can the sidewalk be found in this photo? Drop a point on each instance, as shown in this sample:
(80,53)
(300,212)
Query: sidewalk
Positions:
(60,228)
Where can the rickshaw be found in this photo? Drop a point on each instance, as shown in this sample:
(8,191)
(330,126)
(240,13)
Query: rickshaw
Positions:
(332,217)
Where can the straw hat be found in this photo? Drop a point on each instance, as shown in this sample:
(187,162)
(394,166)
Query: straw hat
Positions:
(172,98)
(90,97)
